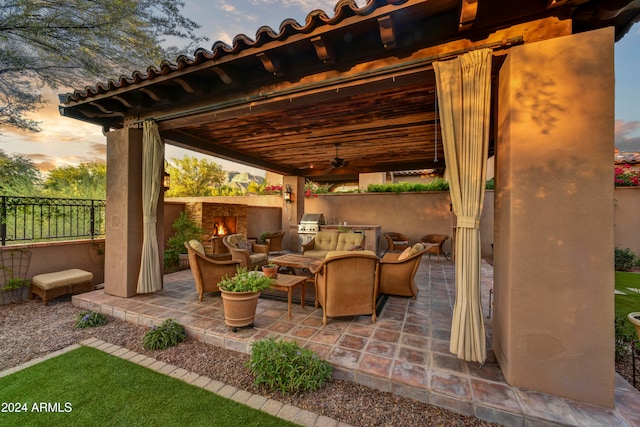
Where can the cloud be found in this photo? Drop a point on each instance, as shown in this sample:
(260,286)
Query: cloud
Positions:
(627,135)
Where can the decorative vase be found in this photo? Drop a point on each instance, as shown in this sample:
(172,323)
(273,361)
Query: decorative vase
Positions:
(239,308)
(634,318)
(270,271)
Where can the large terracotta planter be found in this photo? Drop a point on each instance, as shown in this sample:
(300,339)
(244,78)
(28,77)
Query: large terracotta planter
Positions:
(239,308)
(634,318)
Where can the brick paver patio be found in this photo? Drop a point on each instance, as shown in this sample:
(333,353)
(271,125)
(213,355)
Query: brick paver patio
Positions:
(405,352)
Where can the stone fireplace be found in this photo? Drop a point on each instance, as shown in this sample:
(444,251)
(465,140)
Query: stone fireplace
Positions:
(218,220)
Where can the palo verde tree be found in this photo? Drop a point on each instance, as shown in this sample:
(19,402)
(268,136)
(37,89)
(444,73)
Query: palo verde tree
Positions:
(85,181)
(71,43)
(18,176)
(194,177)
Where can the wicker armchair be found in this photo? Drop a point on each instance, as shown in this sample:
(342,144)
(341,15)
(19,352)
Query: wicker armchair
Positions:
(437,242)
(396,242)
(398,271)
(274,241)
(346,284)
(207,272)
(249,253)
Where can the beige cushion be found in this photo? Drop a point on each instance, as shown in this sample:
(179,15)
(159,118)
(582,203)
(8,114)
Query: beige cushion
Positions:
(405,254)
(197,246)
(348,241)
(325,240)
(235,238)
(61,278)
(332,254)
(257,257)
(409,252)
(418,247)
(313,253)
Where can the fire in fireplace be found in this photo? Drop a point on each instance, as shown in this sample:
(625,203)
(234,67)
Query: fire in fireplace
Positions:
(223,225)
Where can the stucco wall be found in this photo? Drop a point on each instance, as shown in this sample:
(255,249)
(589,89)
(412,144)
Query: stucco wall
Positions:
(55,256)
(413,214)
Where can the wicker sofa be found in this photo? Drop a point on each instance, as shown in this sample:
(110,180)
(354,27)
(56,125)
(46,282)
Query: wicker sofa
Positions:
(327,241)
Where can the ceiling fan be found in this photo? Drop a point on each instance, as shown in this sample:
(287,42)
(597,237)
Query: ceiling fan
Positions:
(337,162)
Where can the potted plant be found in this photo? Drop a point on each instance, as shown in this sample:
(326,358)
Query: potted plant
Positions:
(270,270)
(262,240)
(13,290)
(240,296)
(185,229)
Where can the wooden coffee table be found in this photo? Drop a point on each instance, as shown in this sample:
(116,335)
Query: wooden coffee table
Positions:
(297,261)
(288,282)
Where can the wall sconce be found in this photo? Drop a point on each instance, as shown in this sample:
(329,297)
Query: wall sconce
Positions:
(166,178)
(288,194)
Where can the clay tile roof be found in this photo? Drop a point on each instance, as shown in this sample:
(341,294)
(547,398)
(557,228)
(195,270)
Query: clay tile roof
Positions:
(627,157)
(241,42)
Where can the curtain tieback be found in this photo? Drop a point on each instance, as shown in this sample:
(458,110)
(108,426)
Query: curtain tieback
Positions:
(468,222)
(150,219)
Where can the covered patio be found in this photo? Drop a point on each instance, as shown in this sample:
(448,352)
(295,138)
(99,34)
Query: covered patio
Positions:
(405,352)
(366,79)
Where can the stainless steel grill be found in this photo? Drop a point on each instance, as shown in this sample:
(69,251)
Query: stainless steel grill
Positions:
(308,227)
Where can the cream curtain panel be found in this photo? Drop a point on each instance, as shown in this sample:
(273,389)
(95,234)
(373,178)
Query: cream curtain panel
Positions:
(464,94)
(150,278)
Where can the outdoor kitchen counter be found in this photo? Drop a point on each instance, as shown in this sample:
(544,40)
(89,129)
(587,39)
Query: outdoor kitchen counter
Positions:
(371,234)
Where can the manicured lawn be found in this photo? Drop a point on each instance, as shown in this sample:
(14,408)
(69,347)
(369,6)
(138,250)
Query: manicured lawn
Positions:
(630,302)
(86,387)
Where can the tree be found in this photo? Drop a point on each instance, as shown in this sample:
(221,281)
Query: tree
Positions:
(85,181)
(71,43)
(194,177)
(18,175)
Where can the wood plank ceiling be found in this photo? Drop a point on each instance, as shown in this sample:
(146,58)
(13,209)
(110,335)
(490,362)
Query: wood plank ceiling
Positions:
(288,100)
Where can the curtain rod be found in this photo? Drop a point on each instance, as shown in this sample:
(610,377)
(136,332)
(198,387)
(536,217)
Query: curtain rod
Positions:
(498,45)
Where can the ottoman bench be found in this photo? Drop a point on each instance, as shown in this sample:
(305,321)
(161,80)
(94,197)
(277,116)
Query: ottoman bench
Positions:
(51,285)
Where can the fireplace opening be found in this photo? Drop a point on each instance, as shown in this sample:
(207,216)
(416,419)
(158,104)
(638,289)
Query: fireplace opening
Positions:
(223,225)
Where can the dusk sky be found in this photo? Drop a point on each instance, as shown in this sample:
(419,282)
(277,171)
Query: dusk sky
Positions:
(64,141)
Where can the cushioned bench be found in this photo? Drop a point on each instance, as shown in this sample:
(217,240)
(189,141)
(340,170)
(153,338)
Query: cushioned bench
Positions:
(52,285)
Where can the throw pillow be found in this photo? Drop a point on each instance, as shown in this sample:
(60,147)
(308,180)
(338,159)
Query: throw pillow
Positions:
(405,254)
(416,248)
(245,245)
(196,246)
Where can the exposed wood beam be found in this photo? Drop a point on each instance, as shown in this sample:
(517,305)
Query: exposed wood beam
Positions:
(123,101)
(468,12)
(387,31)
(187,86)
(270,63)
(325,52)
(224,76)
(191,142)
(153,93)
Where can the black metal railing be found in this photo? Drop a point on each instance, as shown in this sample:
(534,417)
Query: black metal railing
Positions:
(36,219)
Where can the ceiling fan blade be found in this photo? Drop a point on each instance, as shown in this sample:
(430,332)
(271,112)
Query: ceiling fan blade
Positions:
(328,170)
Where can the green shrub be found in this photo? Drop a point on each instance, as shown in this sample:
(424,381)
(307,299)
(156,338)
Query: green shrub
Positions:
(185,230)
(625,259)
(170,333)
(438,184)
(491,184)
(625,334)
(286,367)
(245,280)
(90,319)
(15,283)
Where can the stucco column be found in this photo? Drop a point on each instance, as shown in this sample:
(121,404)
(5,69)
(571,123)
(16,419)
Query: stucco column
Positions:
(292,212)
(553,277)
(124,212)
